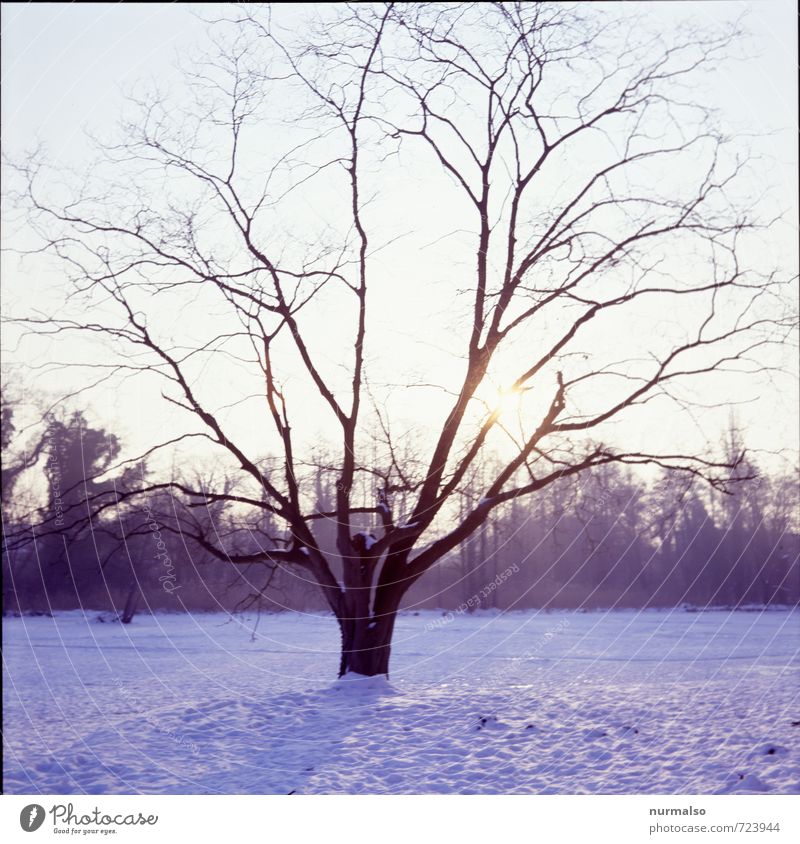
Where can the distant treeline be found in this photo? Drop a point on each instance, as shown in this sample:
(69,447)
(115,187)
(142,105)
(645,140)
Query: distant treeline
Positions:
(609,539)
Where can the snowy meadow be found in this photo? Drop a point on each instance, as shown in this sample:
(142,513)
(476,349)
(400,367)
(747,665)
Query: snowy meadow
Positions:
(674,702)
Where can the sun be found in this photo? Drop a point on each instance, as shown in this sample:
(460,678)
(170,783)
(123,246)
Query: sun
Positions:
(506,404)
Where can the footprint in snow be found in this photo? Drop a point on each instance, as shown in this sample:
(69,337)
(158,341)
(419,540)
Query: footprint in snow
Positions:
(771,750)
(490,722)
(744,784)
(591,735)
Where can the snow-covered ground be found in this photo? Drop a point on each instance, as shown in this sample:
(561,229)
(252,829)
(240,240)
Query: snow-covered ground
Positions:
(619,702)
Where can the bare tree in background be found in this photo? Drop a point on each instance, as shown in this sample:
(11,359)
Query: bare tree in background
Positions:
(593,187)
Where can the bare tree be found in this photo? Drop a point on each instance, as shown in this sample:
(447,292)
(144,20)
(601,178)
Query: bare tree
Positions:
(592,189)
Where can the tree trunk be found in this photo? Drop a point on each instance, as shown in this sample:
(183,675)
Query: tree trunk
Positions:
(366,646)
(131,603)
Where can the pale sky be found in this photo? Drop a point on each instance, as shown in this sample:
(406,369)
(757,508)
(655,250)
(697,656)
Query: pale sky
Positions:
(65,67)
